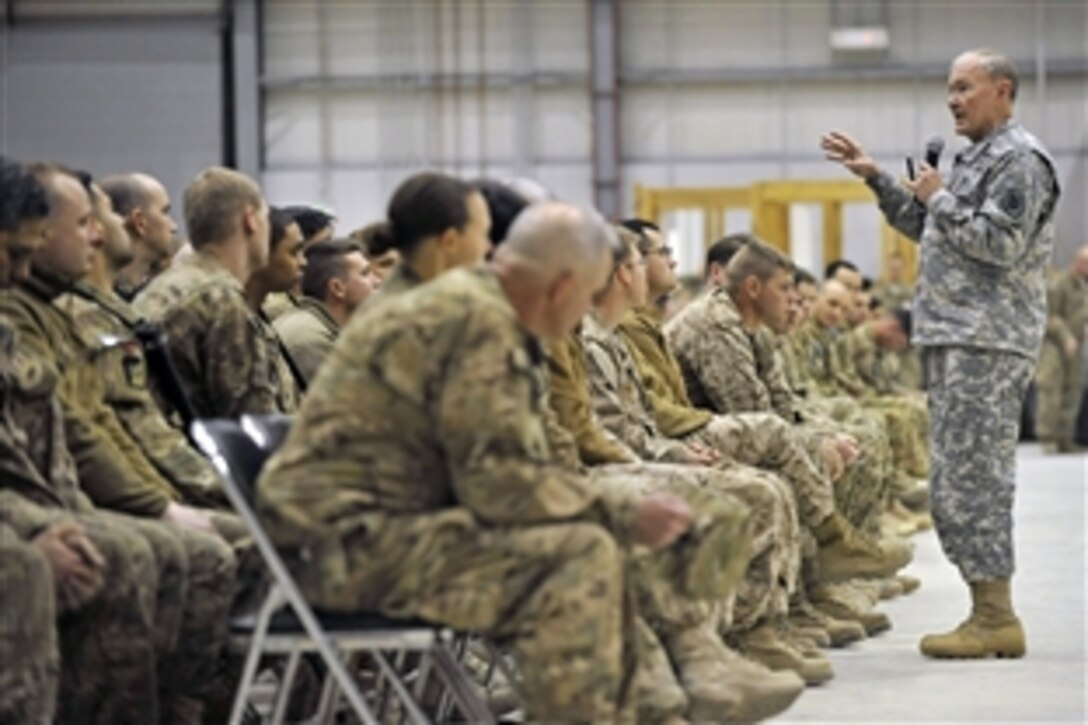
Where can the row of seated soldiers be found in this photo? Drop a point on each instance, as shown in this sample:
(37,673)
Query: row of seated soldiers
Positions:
(471,420)
(441,466)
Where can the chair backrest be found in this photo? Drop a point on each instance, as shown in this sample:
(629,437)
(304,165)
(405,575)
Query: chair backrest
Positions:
(238,459)
(267,431)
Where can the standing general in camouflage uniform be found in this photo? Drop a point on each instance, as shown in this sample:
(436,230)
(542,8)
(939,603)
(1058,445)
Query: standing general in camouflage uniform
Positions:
(219,346)
(1060,378)
(980,316)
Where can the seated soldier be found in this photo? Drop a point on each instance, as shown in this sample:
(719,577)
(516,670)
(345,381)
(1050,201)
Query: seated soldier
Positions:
(121,582)
(337,279)
(215,339)
(621,403)
(315,225)
(447,462)
(379,248)
(108,327)
(144,206)
(906,416)
(281,271)
(735,323)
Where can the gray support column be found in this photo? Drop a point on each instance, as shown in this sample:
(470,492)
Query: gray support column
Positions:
(245,70)
(604,92)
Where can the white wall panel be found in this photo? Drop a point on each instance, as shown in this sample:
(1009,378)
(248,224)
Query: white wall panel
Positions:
(702,96)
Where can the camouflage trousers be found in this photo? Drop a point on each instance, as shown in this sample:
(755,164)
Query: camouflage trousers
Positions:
(1060,381)
(975,399)
(29,658)
(556,594)
(774,550)
(108,652)
(861,493)
(765,441)
(194,598)
(907,421)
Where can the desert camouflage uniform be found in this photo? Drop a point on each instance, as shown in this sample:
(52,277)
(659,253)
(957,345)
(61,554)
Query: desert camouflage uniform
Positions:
(980,315)
(729,369)
(620,403)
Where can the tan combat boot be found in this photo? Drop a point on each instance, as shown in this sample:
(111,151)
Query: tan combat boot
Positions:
(844,553)
(700,658)
(764,645)
(762,693)
(841,632)
(655,694)
(845,601)
(992,629)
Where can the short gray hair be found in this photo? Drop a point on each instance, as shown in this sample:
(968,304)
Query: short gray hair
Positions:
(999,66)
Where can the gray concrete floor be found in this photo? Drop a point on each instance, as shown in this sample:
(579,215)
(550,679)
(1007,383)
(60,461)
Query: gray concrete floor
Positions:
(885,679)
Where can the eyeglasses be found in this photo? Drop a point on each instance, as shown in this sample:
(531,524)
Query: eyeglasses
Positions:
(664,251)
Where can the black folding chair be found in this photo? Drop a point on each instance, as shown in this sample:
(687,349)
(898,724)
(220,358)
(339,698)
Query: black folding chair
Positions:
(296,629)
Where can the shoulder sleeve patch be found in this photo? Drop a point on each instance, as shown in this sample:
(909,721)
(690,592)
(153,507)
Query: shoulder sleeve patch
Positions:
(1012,203)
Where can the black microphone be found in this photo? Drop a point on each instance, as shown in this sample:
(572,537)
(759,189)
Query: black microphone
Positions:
(934,147)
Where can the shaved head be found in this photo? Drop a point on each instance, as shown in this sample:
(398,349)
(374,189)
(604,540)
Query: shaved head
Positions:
(556,257)
(554,237)
(832,304)
(129,191)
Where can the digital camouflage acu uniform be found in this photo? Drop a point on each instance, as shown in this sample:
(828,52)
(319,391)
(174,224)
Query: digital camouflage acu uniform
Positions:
(29,658)
(420,481)
(222,350)
(196,570)
(1060,379)
(979,315)
(728,369)
(308,332)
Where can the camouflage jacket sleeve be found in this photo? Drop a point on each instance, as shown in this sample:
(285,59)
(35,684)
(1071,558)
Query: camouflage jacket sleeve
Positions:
(490,418)
(112,470)
(615,392)
(843,365)
(772,376)
(997,228)
(569,398)
(25,517)
(662,381)
(898,205)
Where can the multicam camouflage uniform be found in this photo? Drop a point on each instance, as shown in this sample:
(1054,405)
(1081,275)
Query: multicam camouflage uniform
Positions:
(222,350)
(433,489)
(195,570)
(29,658)
(980,316)
(1060,378)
